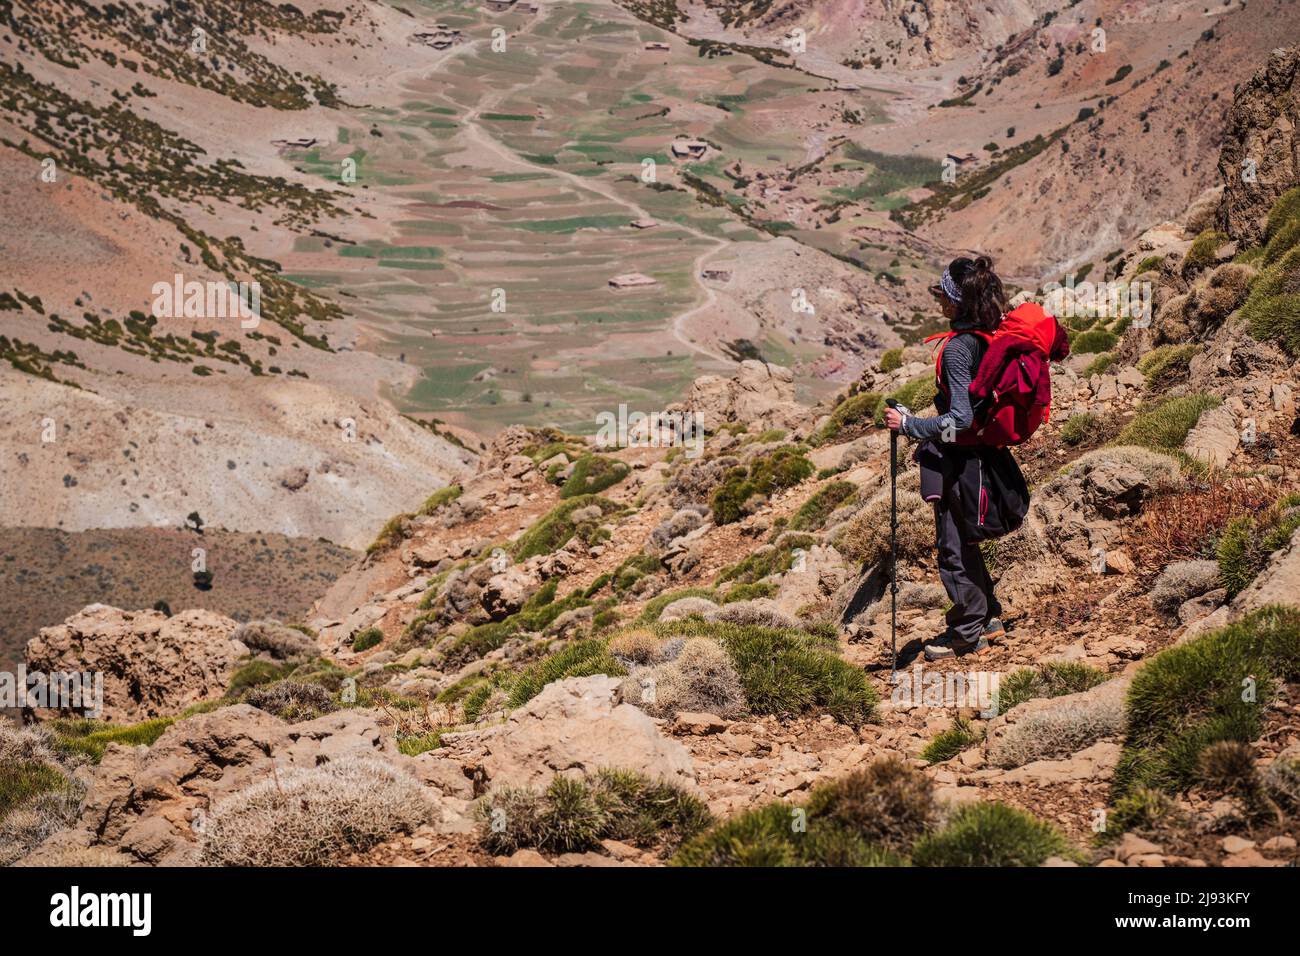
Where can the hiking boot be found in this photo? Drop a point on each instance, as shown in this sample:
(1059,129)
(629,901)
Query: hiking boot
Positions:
(946,647)
(994,629)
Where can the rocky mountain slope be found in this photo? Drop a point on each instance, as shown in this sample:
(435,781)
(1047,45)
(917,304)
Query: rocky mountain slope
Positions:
(582,656)
(141,155)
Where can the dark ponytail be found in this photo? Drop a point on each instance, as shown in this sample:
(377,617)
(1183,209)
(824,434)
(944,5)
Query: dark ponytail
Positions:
(983,300)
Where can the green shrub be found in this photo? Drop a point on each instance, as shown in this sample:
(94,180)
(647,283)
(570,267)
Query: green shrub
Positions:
(1140,809)
(1166,361)
(812,514)
(556,528)
(848,420)
(1282,233)
(748,592)
(655,606)
(781,468)
(766,561)
(1212,688)
(1099,365)
(1149,264)
(1093,340)
(869,818)
(786,672)
(390,535)
(769,437)
(22,780)
(592,474)
(92,737)
(1201,252)
(891,361)
(1052,679)
(576,659)
(1078,428)
(573,816)
(443,496)
(537,614)
(991,834)
(1247,542)
(1163,425)
(1272,310)
(367,639)
(951,742)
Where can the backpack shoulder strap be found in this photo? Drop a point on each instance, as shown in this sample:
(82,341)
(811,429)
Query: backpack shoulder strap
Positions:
(943,338)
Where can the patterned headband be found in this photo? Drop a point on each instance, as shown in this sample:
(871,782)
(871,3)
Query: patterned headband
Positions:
(950,287)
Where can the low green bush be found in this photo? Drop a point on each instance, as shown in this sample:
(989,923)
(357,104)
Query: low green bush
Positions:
(951,742)
(1099,365)
(766,561)
(556,528)
(1167,362)
(577,659)
(441,497)
(1163,425)
(1051,679)
(1078,428)
(786,672)
(655,606)
(1247,542)
(992,834)
(1200,254)
(812,514)
(1212,688)
(849,419)
(592,474)
(779,469)
(1093,340)
(870,818)
(1282,232)
(574,815)
(366,639)
(1272,310)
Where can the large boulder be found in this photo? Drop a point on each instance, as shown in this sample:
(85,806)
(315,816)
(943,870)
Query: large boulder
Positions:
(504,593)
(575,726)
(1214,438)
(152,665)
(1262,132)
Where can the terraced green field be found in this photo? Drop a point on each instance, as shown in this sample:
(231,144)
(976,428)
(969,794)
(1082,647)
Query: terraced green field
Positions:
(518,174)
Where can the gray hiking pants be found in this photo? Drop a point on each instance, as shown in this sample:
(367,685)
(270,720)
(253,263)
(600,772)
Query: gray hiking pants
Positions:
(964,575)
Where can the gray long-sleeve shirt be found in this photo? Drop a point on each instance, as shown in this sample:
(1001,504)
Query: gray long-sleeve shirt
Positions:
(961,361)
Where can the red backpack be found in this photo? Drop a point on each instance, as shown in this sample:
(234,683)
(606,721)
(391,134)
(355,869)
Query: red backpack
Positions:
(1012,390)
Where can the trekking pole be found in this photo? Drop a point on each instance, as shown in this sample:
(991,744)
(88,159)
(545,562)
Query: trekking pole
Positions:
(893,541)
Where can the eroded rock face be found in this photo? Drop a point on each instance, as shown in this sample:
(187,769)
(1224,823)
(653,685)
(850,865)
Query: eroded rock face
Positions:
(1262,131)
(152,665)
(575,726)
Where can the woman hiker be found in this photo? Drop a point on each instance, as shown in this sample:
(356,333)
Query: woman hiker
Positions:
(954,465)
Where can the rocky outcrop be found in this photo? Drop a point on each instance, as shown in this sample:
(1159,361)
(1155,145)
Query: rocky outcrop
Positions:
(574,726)
(760,394)
(152,665)
(1080,511)
(152,804)
(1263,138)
